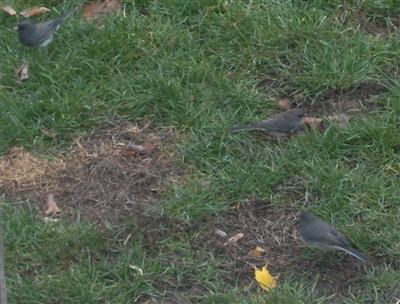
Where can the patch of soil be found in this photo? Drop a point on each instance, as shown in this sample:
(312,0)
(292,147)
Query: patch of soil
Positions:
(369,22)
(332,103)
(367,26)
(113,172)
(351,101)
(264,225)
(274,230)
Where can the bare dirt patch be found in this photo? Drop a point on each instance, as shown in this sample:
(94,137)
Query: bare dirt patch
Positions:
(366,25)
(274,230)
(382,27)
(333,104)
(113,172)
(352,101)
(262,224)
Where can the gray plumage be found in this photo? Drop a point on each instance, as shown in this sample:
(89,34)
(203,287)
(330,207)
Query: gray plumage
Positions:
(279,125)
(320,234)
(40,34)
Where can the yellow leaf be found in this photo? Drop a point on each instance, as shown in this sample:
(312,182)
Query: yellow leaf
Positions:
(264,278)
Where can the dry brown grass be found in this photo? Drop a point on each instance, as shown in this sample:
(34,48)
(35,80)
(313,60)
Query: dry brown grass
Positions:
(102,176)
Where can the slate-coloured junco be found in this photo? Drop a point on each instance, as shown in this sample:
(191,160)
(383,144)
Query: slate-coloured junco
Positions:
(279,125)
(40,34)
(320,234)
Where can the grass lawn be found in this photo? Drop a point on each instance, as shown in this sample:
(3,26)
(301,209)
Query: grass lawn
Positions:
(178,74)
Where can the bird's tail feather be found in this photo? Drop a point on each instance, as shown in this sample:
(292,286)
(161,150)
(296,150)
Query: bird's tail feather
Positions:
(355,253)
(253,126)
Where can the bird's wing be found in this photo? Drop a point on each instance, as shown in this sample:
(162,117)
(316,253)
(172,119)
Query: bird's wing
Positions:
(278,125)
(320,232)
(284,122)
(43,32)
(334,237)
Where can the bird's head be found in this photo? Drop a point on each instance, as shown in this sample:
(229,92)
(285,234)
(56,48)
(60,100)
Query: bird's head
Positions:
(23,25)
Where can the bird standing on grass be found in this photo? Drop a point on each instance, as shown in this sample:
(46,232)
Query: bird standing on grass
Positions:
(320,234)
(40,34)
(279,125)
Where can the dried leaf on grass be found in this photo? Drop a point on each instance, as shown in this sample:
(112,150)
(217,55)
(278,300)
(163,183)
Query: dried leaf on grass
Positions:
(22,72)
(264,278)
(34,11)
(257,252)
(130,149)
(220,233)
(51,206)
(313,122)
(137,268)
(234,239)
(92,10)
(8,10)
(284,103)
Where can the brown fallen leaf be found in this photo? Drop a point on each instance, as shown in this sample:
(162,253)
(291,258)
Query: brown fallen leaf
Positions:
(34,11)
(132,149)
(235,238)
(257,252)
(22,72)
(92,10)
(220,233)
(136,148)
(313,122)
(51,206)
(8,10)
(284,103)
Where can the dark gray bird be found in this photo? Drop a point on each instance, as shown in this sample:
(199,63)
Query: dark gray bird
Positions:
(320,234)
(279,125)
(40,34)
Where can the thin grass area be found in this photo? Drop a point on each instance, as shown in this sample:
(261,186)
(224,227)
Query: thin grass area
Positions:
(198,67)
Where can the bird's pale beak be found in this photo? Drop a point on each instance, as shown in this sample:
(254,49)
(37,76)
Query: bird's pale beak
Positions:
(16,28)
